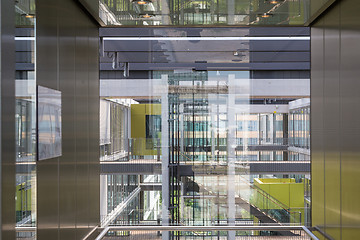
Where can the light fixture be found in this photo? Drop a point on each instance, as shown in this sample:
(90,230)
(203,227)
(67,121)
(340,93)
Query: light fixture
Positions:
(141,2)
(28,15)
(274,1)
(146,15)
(265,15)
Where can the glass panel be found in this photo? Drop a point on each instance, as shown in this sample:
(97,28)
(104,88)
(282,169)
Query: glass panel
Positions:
(25,119)
(215,13)
(197,131)
(207,234)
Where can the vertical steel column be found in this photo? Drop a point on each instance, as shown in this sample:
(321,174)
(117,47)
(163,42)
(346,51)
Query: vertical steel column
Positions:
(181,127)
(231,144)
(213,129)
(7,119)
(103,196)
(165,155)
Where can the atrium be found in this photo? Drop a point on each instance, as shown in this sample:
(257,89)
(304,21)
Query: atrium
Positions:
(179,119)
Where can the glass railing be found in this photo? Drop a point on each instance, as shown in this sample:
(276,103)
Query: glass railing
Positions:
(210,232)
(150,149)
(274,208)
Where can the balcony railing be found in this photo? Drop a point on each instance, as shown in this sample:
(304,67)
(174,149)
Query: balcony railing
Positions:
(195,232)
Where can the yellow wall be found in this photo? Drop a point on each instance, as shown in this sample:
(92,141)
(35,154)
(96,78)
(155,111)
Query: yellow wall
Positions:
(138,127)
(285,190)
(335,111)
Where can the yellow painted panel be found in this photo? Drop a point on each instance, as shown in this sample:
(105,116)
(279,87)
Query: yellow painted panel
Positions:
(350,192)
(332,193)
(317,186)
(296,195)
(140,145)
(152,109)
(288,193)
(281,193)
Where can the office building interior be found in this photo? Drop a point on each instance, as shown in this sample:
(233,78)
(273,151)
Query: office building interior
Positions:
(179,119)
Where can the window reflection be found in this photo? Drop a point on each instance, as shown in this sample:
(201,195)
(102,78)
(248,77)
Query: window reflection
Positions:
(25,118)
(217,139)
(218,12)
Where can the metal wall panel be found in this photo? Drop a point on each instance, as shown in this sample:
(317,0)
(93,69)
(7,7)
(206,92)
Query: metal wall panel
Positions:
(332,122)
(317,118)
(335,103)
(350,115)
(94,105)
(7,116)
(47,171)
(67,173)
(67,205)
(81,128)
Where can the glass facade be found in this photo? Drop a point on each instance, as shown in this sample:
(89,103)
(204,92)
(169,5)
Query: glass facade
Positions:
(201,128)
(213,13)
(299,127)
(204,126)
(25,118)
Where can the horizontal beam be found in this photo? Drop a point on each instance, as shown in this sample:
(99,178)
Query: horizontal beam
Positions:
(207,228)
(188,169)
(213,66)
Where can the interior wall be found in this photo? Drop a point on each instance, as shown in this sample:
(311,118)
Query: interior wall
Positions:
(7,120)
(67,60)
(335,115)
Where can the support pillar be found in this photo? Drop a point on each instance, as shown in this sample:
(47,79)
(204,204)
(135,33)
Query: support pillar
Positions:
(165,155)
(231,144)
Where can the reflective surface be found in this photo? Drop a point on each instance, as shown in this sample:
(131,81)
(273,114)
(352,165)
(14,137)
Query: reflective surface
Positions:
(218,12)
(7,120)
(335,132)
(67,61)
(49,128)
(212,235)
(197,121)
(25,124)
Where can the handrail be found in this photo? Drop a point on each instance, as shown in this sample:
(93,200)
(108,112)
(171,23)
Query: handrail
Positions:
(275,201)
(116,211)
(25,229)
(271,198)
(207,228)
(91,232)
(182,154)
(324,234)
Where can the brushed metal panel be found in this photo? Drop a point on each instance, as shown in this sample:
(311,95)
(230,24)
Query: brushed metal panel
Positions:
(317,104)
(47,171)
(340,119)
(94,162)
(47,199)
(46,43)
(350,114)
(81,126)
(7,116)
(67,197)
(332,122)
(63,62)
